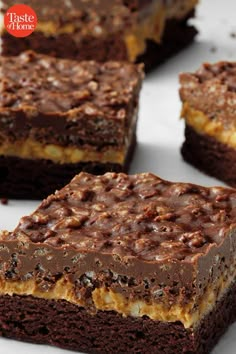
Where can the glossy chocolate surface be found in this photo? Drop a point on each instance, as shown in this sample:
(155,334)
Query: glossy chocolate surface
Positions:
(137,216)
(38,82)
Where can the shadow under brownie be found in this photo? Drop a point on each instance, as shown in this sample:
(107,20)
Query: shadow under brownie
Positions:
(144,31)
(144,260)
(59,117)
(209,103)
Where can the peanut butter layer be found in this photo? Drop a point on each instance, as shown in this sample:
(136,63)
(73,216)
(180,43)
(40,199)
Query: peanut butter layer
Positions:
(189,315)
(106,299)
(31,149)
(150,27)
(202,124)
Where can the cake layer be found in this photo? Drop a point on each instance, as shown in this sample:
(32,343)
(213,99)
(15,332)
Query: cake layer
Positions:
(69,326)
(219,159)
(87,31)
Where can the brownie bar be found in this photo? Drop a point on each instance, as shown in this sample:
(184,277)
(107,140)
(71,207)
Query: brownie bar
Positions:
(106,30)
(59,117)
(154,258)
(209,103)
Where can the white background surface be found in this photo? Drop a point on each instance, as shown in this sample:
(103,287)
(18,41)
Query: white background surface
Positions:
(160,132)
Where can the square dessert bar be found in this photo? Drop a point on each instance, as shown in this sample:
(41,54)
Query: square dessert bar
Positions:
(209,110)
(136,30)
(122,264)
(59,117)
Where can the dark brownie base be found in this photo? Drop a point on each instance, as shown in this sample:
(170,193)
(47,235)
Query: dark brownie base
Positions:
(178,34)
(68,326)
(210,156)
(36,179)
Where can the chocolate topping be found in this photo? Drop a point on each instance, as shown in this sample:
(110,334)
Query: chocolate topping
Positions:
(137,216)
(86,102)
(222,72)
(49,85)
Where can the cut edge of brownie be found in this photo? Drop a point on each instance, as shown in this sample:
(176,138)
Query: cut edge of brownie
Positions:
(68,326)
(36,179)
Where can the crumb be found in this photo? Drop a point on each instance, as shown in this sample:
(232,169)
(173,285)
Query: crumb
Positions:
(233,35)
(213,49)
(4,201)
